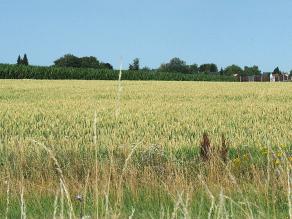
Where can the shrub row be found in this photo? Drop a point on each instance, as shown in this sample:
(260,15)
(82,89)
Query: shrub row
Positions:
(38,72)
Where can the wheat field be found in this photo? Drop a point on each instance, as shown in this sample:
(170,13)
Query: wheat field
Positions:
(131,149)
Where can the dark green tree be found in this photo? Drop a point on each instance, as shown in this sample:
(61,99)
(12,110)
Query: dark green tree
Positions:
(277,71)
(135,66)
(232,70)
(204,68)
(19,60)
(248,71)
(208,68)
(175,65)
(106,66)
(193,68)
(221,72)
(213,68)
(68,60)
(24,61)
(89,62)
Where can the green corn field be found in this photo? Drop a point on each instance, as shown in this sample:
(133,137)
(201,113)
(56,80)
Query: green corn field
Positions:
(60,73)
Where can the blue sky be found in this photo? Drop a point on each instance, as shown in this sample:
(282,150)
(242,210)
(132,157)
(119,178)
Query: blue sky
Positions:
(243,32)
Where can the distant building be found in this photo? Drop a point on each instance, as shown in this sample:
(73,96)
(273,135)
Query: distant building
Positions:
(266,77)
(272,78)
(281,77)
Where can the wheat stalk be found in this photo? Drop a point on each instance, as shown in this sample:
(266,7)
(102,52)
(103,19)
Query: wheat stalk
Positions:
(62,179)
(7,199)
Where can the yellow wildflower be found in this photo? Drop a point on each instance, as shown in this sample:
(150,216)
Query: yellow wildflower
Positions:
(245,157)
(277,162)
(264,151)
(237,161)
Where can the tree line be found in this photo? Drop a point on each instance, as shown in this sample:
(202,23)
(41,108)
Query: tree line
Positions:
(179,66)
(175,65)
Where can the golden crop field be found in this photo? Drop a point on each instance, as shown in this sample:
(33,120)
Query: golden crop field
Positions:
(45,121)
(171,114)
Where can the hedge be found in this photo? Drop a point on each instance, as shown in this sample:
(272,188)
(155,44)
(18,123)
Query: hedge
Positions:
(56,73)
